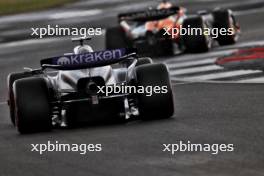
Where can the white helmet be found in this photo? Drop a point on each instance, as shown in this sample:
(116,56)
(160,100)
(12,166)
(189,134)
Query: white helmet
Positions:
(82,48)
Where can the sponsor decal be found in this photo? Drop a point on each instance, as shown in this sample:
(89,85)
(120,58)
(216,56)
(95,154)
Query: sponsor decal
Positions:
(63,61)
(88,58)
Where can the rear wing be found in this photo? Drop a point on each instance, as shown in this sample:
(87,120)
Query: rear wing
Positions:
(88,60)
(149,15)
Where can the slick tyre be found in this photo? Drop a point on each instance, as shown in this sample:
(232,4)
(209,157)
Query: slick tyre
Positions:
(224,19)
(10,81)
(165,48)
(115,38)
(158,105)
(196,43)
(32,107)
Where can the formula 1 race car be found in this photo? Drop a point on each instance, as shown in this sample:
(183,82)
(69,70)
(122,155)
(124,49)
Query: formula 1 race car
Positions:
(73,89)
(156,31)
(244,59)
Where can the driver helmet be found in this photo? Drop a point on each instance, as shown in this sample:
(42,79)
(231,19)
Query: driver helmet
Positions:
(165,4)
(83,49)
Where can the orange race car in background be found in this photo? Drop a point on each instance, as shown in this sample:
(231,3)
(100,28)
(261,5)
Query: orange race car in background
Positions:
(152,31)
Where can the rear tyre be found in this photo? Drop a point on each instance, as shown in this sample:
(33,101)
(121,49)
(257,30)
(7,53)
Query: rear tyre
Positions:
(32,108)
(158,105)
(10,81)
(224,19)
(196,43)
(165,48)
(116,38)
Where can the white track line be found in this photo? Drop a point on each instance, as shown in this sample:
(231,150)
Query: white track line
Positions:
(183,83)
(225,74)
(192,63)
(244,44)
(196,57)
(94,2)
(195,70)
(248,12)
(189,81)
(28,42)
(3,103)
(252,80)
(73,14)
(225,50)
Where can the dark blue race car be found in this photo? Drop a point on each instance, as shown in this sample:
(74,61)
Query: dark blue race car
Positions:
(77,88)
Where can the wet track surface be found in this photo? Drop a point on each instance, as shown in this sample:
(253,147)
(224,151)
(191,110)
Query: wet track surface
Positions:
(204,112)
